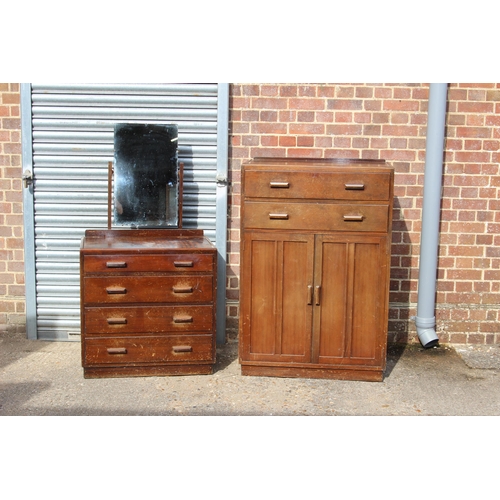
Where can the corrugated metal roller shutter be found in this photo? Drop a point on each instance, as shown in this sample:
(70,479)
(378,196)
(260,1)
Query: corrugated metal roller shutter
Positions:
(72,127)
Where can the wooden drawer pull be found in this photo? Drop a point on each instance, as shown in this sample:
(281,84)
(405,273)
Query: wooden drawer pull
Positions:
(117,321)
(354,187)
(279,216)
(182,289)
(182,348)
(309,295)
(317,296)
(113,290)
(116,264)
(353,218)
(279,185)
(183,263)
(117,350)
(183,319)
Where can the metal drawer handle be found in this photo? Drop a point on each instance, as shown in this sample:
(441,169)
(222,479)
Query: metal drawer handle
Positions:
(354,186)
(183,319)
(279,185)
(117,350)
(183,263)
(279,216)
(116,264)
(114,290)
(182,348)
(182,289)
(117,321)
(353,218)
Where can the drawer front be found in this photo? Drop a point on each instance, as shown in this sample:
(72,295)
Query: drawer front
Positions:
(316,217)
(179,263)
(147,289)
(148,319)
(129,350)
(356,186)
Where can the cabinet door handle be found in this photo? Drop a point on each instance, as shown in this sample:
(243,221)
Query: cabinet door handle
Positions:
(116,264)
(117,321)
(183,263)
(354,186)
(279,185)
(114,290)
(182,348)
(183,318)
(182,289)
(116,350)
(309,295)
(279,216)
(353,218)
(317,295)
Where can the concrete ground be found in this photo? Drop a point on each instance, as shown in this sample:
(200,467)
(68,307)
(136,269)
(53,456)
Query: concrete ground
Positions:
(41,378)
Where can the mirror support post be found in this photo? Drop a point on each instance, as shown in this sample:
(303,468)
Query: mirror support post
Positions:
(110,181)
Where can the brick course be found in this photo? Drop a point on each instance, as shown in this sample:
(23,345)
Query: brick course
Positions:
(385,121)
(388,121)
(12,298)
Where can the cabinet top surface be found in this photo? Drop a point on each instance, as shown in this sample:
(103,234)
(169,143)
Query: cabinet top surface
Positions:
(141,240)
(315,163)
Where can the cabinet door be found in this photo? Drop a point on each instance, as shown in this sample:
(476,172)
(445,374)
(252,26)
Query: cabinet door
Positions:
(350,318)
(276,302)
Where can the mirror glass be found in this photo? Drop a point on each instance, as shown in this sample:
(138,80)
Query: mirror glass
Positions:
(146,176)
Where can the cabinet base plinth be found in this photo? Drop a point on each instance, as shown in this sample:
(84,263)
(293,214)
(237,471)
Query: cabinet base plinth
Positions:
(146,371)
(364,375)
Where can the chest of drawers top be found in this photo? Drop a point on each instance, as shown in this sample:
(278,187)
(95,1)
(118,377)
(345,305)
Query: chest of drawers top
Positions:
(317,179)
(145,241)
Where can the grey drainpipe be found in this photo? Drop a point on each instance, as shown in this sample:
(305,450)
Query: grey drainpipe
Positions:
(425,320)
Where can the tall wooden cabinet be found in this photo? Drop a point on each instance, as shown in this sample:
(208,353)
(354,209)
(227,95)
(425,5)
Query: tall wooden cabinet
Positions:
(315,262)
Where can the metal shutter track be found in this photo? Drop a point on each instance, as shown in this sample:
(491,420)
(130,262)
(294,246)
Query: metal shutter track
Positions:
(72,145)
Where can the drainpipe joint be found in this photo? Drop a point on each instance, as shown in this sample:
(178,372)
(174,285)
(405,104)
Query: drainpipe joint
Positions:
(426,331)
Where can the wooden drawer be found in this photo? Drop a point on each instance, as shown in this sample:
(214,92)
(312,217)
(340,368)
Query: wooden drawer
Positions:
(356,186)
(147,289)
(148,319)
(316,216)
(130,350)
(179,263)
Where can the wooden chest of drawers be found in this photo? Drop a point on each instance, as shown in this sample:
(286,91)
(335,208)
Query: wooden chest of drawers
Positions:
(315,262)
(147,302)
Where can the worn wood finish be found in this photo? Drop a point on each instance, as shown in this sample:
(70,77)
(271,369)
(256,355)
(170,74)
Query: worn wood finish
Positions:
(133,350)
(317,185)
(315,268)
(147,302)
(149,263)
(155,319)
(113,289)
(315,216)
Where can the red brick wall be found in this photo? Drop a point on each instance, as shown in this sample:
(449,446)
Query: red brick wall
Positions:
(12,303)
(355,120)
(388,121)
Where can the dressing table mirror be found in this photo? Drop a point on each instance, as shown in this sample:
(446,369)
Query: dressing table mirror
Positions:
(147,178)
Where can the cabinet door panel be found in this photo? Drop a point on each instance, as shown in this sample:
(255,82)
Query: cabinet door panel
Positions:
(367,308)
(276,315)
(296,311)
(263,296)
(330,324)
(349,324)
